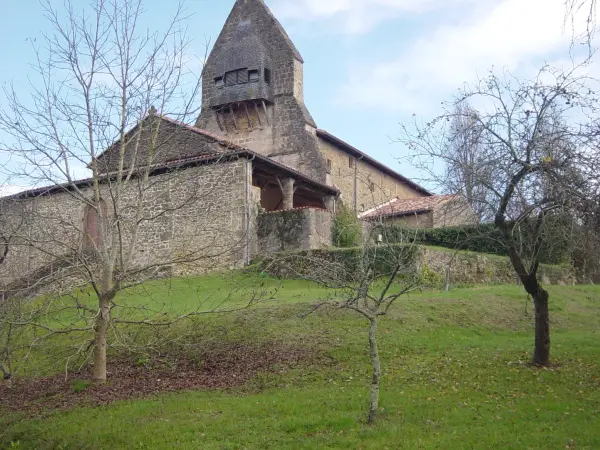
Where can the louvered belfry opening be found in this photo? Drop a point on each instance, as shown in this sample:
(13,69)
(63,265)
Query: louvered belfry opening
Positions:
(242,116)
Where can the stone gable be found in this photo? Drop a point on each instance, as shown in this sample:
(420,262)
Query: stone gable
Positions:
(158,140)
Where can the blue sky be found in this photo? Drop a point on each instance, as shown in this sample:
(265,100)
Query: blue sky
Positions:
(369,64)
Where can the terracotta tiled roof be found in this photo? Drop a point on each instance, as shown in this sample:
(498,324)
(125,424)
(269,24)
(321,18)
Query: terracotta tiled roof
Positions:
(405,206)
(215,154)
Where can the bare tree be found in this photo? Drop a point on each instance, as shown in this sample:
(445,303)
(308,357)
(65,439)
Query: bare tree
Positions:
(369,285)
(7,336)
(464,162)
(15,339)
(582,10)
(4,246)
(101,82)
(536,138)
(586,247)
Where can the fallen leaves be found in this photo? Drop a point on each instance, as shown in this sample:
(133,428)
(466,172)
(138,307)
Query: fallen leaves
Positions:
(228,366)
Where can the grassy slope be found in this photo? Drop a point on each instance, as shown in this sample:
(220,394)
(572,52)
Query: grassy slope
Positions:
(159,301)
(453,378)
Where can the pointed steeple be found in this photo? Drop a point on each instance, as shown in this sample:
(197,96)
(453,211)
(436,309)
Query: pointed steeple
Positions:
(259,14)
(253,90)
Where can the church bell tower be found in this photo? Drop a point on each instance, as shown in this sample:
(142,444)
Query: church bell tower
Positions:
(252,91)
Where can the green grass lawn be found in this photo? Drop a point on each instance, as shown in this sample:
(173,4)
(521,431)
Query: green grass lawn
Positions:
(455,377)
(158,301)
(172,297)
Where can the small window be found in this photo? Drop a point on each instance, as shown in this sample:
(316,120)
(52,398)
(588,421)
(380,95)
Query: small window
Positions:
(351,162)
(234,77)
(268,76)
(231,78)
(329,165)
(372,186)
(242,76)
(253,75)
(219,82)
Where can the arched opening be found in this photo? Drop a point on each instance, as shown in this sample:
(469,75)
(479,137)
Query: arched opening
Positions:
(94,225)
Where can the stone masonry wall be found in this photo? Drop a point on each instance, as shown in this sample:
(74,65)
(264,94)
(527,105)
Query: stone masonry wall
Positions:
(52,223)
(196,218)
(296,229)
(453,213)
(430,263)
(373,187)
(423,220)
(479,268)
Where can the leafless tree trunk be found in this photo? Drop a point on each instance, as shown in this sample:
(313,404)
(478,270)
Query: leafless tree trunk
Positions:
(4,246)
(369,286)
(374,406)
(100,344)
(6,354)
(11,336)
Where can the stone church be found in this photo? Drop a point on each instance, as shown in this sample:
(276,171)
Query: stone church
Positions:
(253,96)
(254,152)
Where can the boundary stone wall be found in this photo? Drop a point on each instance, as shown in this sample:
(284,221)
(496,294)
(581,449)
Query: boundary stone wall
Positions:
(466,268)
(480,268)
(295,229)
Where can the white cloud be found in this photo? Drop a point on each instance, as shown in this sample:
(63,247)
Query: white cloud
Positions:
(514,34)
(359,16)
(10,189)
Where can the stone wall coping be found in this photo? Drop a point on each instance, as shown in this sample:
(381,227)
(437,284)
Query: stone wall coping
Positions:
(301,208)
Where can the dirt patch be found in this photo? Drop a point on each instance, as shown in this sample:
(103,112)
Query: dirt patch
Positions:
(228,366)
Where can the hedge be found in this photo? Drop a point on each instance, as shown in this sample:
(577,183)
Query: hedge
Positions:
(484,238)
(480,239)
(346,230)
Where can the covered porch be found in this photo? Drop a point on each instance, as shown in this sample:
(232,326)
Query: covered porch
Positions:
(282,189)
